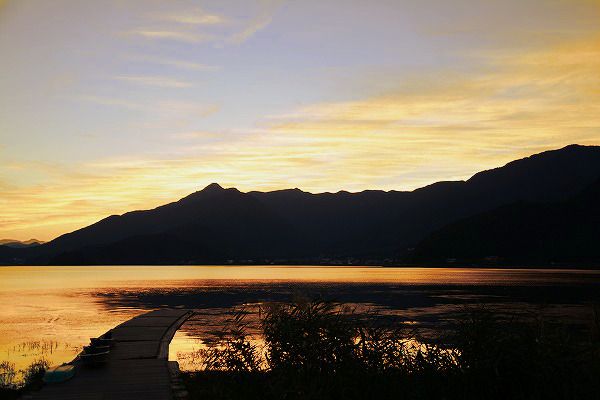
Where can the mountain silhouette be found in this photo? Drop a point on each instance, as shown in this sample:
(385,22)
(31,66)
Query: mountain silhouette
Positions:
(217,225)
(523,233)
(20,243)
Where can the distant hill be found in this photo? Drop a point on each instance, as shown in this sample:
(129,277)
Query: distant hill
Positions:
(217,225)
(19,244)
(523,233)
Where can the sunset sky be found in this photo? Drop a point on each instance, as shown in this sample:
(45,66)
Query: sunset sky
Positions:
(107,106)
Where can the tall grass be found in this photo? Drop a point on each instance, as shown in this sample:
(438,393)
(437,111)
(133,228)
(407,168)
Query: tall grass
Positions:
(321,350)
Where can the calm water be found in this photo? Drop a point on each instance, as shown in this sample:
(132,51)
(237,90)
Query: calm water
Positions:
(51,312)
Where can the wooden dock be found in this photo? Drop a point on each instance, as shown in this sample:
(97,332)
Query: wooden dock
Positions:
(138,367)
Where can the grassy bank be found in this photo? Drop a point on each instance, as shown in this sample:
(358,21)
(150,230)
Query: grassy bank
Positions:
(318,350)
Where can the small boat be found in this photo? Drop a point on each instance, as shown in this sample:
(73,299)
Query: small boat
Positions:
(95,349)
(104,340)
(59,373)
(94,355)
(101,342)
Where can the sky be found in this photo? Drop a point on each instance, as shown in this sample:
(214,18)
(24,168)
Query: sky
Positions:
(108,106)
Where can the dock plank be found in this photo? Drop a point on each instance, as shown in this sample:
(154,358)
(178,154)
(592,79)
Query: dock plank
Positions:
(136,350)
(141,321)
(137,333)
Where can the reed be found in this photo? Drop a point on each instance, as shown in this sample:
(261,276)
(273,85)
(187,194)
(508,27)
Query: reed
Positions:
(322,350)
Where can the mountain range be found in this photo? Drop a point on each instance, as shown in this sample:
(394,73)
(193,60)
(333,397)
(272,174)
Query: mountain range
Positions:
(536,210)
(20,243)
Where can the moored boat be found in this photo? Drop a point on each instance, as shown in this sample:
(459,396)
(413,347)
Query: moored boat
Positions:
(59,373)
(94,355)
(104,340)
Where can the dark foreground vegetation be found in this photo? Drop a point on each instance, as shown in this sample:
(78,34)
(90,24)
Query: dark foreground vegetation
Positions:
(14,383)
(317,350)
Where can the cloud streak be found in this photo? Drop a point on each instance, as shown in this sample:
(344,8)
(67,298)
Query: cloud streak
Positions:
(197,26)
(159,81)
(182,36)
(260,22)
(197,17)
(180,64)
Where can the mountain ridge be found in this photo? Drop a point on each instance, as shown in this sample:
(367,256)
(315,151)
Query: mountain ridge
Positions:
(219,225)
(20,243)
(523,232)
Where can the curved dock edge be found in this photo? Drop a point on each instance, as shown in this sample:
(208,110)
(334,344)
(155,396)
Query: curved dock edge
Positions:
(163,350)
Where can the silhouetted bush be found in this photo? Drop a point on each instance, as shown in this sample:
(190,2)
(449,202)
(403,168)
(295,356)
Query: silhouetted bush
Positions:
(320,350)
(234,352)
(33,374)
(7,374)
(308,338)
(13,383)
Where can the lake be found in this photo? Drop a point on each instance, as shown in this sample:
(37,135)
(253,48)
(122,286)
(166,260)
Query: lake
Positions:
(51,312)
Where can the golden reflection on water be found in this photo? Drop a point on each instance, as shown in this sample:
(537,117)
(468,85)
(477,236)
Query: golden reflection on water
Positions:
(62,306)
(52,324)
(67,277)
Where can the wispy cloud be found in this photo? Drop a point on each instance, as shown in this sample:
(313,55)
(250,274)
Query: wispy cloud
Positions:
(249,31)
(194,66)
(171,62)
(160,113)
(178,108)
(182,36)
(531,102)
(181,27)
(159,81)
(197,26)
(196,17)
(195,135)
(113,102)
(256,24)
